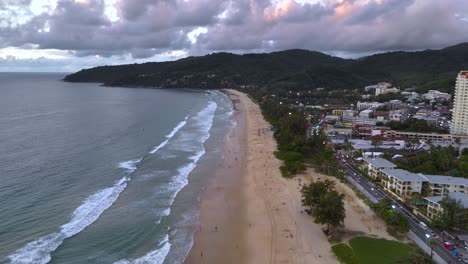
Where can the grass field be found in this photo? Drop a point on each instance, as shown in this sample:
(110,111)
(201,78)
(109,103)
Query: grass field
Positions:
(366,250)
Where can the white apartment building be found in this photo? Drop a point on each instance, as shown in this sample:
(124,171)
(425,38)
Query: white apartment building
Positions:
(366,105)
(366,113)
(434,94)
(440,185)
(403,183)
(460,105)
(374,165)
(433,203)
(384,90)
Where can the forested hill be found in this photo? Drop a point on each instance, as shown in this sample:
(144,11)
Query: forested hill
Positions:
(287,70)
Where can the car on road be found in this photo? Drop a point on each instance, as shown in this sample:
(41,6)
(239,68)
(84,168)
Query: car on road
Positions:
(423,225)
(454,252)
(447,245)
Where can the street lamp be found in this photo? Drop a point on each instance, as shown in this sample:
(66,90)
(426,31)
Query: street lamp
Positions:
(431,243)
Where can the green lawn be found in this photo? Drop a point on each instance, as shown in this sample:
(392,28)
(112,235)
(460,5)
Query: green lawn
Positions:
(366,250)
(345,254)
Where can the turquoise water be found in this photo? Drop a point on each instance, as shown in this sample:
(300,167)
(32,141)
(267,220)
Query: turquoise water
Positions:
(90,174)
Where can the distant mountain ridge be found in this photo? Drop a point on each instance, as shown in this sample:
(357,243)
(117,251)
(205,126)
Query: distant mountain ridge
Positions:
(290,69)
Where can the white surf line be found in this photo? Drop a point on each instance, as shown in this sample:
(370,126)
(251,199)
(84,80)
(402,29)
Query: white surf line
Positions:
(38,251)
(170,135)
(204,120)
(157,256)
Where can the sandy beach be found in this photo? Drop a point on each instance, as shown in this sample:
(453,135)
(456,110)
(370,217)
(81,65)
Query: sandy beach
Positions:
(250,214)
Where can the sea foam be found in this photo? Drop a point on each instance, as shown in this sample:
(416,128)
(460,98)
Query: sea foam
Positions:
(88,212)
(130,165)
(203,122)
(156,256)
(170,135)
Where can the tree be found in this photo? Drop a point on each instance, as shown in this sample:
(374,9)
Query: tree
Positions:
(312,193)
(347,146)
(324,203)
(392,218)
(425,190)
(330,210)
(412,143)
(416,198)
(417,256)
(452,215)
(464,151)
(375,143)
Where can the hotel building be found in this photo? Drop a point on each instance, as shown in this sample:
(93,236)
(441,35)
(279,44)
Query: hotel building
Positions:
(460,105)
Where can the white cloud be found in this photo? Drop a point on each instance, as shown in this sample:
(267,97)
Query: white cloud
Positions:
(111,10)
(32,53)
(193,35)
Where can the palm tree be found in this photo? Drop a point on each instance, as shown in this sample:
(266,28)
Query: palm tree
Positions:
(347,145)
(458,144)
(375,142)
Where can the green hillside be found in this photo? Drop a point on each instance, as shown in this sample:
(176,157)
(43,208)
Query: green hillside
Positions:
(289,70)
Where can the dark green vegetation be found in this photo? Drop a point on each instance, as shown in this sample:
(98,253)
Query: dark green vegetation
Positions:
(453,216)
(324,203)
(295,70)
(366,250)
(323,157)
(437,161)
(414,125)
(396,223)
(294,147)
(290,134)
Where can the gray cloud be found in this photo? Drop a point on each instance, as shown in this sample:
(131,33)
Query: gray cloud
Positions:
(146,28)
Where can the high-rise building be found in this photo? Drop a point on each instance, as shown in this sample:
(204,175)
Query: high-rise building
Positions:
(460,105)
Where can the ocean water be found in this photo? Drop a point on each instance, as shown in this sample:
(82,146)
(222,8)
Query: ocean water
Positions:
(90,174)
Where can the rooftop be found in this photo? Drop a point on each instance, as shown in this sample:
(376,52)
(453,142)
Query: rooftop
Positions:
(380,163)
(464,74)
(440,179)
(403,175)
(455,195)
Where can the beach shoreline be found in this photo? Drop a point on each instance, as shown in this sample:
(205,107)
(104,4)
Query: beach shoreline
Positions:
(221,212)
(249,213)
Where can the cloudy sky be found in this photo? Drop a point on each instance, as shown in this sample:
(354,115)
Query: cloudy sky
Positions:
(67,35)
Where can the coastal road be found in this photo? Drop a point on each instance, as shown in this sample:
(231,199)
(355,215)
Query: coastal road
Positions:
(375,193)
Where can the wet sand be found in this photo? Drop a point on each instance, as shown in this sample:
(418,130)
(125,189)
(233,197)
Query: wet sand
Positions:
(250,214)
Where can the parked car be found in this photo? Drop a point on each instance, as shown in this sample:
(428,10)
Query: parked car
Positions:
(454,252)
